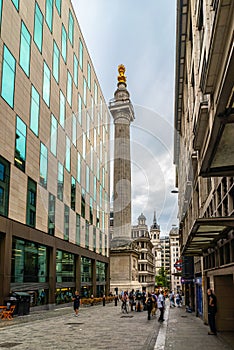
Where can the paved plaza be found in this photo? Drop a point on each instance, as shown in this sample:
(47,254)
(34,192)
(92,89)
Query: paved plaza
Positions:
(96,327)
(100,327)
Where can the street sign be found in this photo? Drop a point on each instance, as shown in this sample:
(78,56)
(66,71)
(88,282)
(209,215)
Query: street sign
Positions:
(178,265)
(187,280)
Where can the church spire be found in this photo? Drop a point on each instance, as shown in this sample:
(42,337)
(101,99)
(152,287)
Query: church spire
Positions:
(155,225)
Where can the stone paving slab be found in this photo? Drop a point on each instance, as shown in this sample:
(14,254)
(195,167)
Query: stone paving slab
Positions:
(186,331)
(96,328)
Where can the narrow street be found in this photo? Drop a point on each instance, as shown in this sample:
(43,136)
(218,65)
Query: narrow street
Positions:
(106,327)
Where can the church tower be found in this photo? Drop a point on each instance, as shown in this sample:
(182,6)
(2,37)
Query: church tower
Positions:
(122,111)
(155,239)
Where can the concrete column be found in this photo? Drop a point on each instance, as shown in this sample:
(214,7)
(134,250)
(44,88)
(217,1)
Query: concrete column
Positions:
(78,272)
(94,277)
(52,274)
(5,264)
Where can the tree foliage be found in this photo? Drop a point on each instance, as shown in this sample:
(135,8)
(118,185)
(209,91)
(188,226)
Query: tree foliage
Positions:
(161,279)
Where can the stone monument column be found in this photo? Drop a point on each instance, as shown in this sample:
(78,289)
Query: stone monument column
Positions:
(122,111)
(123,253)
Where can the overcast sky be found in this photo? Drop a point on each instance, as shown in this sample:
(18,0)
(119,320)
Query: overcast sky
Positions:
(141,35)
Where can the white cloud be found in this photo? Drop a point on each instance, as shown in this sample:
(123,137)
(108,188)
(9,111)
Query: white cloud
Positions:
(141,36)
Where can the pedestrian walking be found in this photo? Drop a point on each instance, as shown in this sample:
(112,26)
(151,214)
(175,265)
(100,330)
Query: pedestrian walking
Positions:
(178,299)
(77,301)
(212,309)
(172,299)
(104,300)
(161,302)
(149,303)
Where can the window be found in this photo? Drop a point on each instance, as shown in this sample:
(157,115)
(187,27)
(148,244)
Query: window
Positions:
(88,125)
(100,243)
(56,62)
(74,129)
(49,14)
(25,49)
(95,93)
(100,196)
(30,262)
(58,6)
(75,70)
(91,157)
(77,229)
(60,181)
(31,203)
(98,169)
(64,43)
(87,178)
(16,4)
(34,111)
(81,55)
(83,203)
(84,91)
(71,28)
(94,239)
(0,13)
(84,145)
(86,234)
(97,218)
(43,165)
(68,154)
(53,135)
(95,188)
(51,214)
(66,222)
(20,144)
(79,109)
(69,88)
(92,108)
(65,268)
(38,27)
(78,167)
(46,85)
(4,186)
(89,76)
(73,193)
(103,177)
(8,77)
(91,211)
(95,139)
(62,109)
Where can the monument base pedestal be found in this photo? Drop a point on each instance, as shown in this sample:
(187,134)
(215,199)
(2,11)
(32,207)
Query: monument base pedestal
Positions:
(124,268)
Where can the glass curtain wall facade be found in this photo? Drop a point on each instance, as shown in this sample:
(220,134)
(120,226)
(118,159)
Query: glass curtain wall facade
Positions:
(54,171)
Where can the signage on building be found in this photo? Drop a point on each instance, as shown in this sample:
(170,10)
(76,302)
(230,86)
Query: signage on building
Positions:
(178,265)
(187,280)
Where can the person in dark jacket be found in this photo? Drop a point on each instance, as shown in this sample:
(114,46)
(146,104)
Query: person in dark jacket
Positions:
(77,302)
(149,303)
(212,309)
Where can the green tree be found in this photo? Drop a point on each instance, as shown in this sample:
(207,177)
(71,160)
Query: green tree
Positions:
(162,279)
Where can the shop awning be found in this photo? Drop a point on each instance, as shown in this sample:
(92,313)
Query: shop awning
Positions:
(205,233)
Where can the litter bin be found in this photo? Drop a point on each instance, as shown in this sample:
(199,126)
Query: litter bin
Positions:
(23,303)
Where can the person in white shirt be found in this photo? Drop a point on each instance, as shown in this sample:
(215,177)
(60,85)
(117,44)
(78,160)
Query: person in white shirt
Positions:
(161,303)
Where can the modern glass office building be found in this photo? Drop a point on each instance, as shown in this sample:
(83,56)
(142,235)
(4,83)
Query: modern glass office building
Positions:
(54,148)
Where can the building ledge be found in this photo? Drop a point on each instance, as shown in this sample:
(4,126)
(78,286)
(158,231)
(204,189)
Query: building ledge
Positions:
(205,233)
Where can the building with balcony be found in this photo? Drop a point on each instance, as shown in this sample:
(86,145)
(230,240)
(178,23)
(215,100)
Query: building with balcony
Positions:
(175,271)
(204,149)
(155,239)
(165,255)
(54,144)
(146,259)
